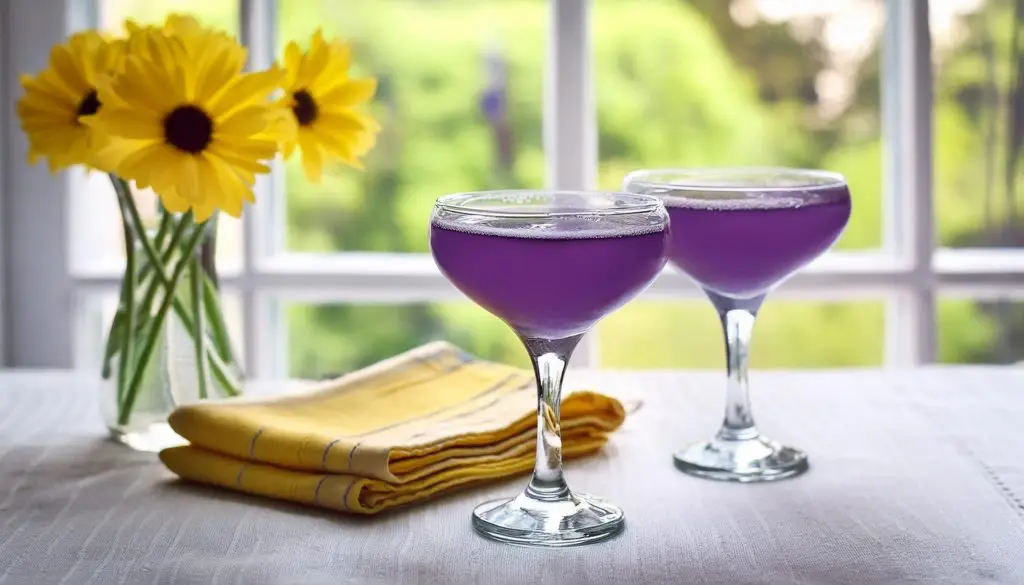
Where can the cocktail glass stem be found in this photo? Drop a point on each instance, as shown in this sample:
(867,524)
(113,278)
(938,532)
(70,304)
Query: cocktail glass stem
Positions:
(549,358)
(547,512)
(738,324)
(739,452)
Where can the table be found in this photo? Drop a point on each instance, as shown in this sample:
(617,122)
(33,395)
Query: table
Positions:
(917,476)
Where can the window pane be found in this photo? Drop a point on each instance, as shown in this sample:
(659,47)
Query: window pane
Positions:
(95,311)
(743,82)
(979,124)
(327,340)
(789,334)
(97,239)
(459,99)
(223,14)
(982,332)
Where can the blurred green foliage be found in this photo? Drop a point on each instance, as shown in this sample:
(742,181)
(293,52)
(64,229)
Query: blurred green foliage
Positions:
(678,83)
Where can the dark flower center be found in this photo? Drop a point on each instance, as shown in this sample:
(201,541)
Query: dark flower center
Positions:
(304,108)
(89,105)
(189,129)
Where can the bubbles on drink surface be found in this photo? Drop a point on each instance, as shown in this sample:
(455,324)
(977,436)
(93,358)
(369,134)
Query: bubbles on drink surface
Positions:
(561,227)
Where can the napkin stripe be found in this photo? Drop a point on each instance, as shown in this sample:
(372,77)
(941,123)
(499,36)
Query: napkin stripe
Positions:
(252,443)
(434,375)
(489,390)
(316,493)
(405,368)
(422,417)
(327,450)
(475,411)
(351,484)
(352,452)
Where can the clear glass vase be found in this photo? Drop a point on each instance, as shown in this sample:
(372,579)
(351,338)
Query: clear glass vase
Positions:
(169,324)
(170,378)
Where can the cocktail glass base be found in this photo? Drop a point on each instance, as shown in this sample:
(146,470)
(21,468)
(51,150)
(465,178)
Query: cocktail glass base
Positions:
(748,460)
(523,520)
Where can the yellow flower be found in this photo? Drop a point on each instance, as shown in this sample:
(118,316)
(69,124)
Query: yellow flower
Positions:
(322,99)
(180,25)
(59,99)
(186,122)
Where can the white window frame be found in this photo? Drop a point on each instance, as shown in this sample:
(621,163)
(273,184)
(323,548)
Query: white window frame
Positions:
(39,293)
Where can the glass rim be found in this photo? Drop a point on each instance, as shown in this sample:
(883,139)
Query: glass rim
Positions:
(456,203)
(817,179)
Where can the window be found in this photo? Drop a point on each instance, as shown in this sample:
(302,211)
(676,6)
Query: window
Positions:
(324,278)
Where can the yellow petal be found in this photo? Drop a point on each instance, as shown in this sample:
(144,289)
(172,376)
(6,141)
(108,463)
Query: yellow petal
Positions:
(292,63)
(128,124)
(141,165)
(239,161)
(242,91)
(244,122)
(232,191)
(313,63)
(348,122)
(214,73)
(187,182)
(312,162)
(64,65)
(202,212)
(339,144)
(172,202)
(350,93)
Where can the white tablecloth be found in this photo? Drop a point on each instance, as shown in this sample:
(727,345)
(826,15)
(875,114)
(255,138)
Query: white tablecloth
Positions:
(916,477)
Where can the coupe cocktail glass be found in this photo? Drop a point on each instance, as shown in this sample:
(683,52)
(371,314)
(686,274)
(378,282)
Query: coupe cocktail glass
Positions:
(740,232)
(550,264)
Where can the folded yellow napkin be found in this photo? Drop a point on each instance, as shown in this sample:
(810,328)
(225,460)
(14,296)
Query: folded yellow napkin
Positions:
(403,430)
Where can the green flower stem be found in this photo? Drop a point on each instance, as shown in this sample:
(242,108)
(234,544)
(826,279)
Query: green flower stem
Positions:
(196,332)
(126,202)
(115,338)
(218,363)
(128,299)
(158,320)
(152,274)
(166,223)
(218,326)
(199,333)
(220,369)
(117,329)
(124,193)
(157,283)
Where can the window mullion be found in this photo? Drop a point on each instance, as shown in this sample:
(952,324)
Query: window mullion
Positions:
(257,28)
(570,120)
(910,229)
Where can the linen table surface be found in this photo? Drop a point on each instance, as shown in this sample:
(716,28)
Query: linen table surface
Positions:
(917,476)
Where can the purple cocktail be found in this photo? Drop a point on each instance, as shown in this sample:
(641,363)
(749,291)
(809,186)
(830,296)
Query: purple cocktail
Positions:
(550,265)
(739,233)
(744,247)
(553,284)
